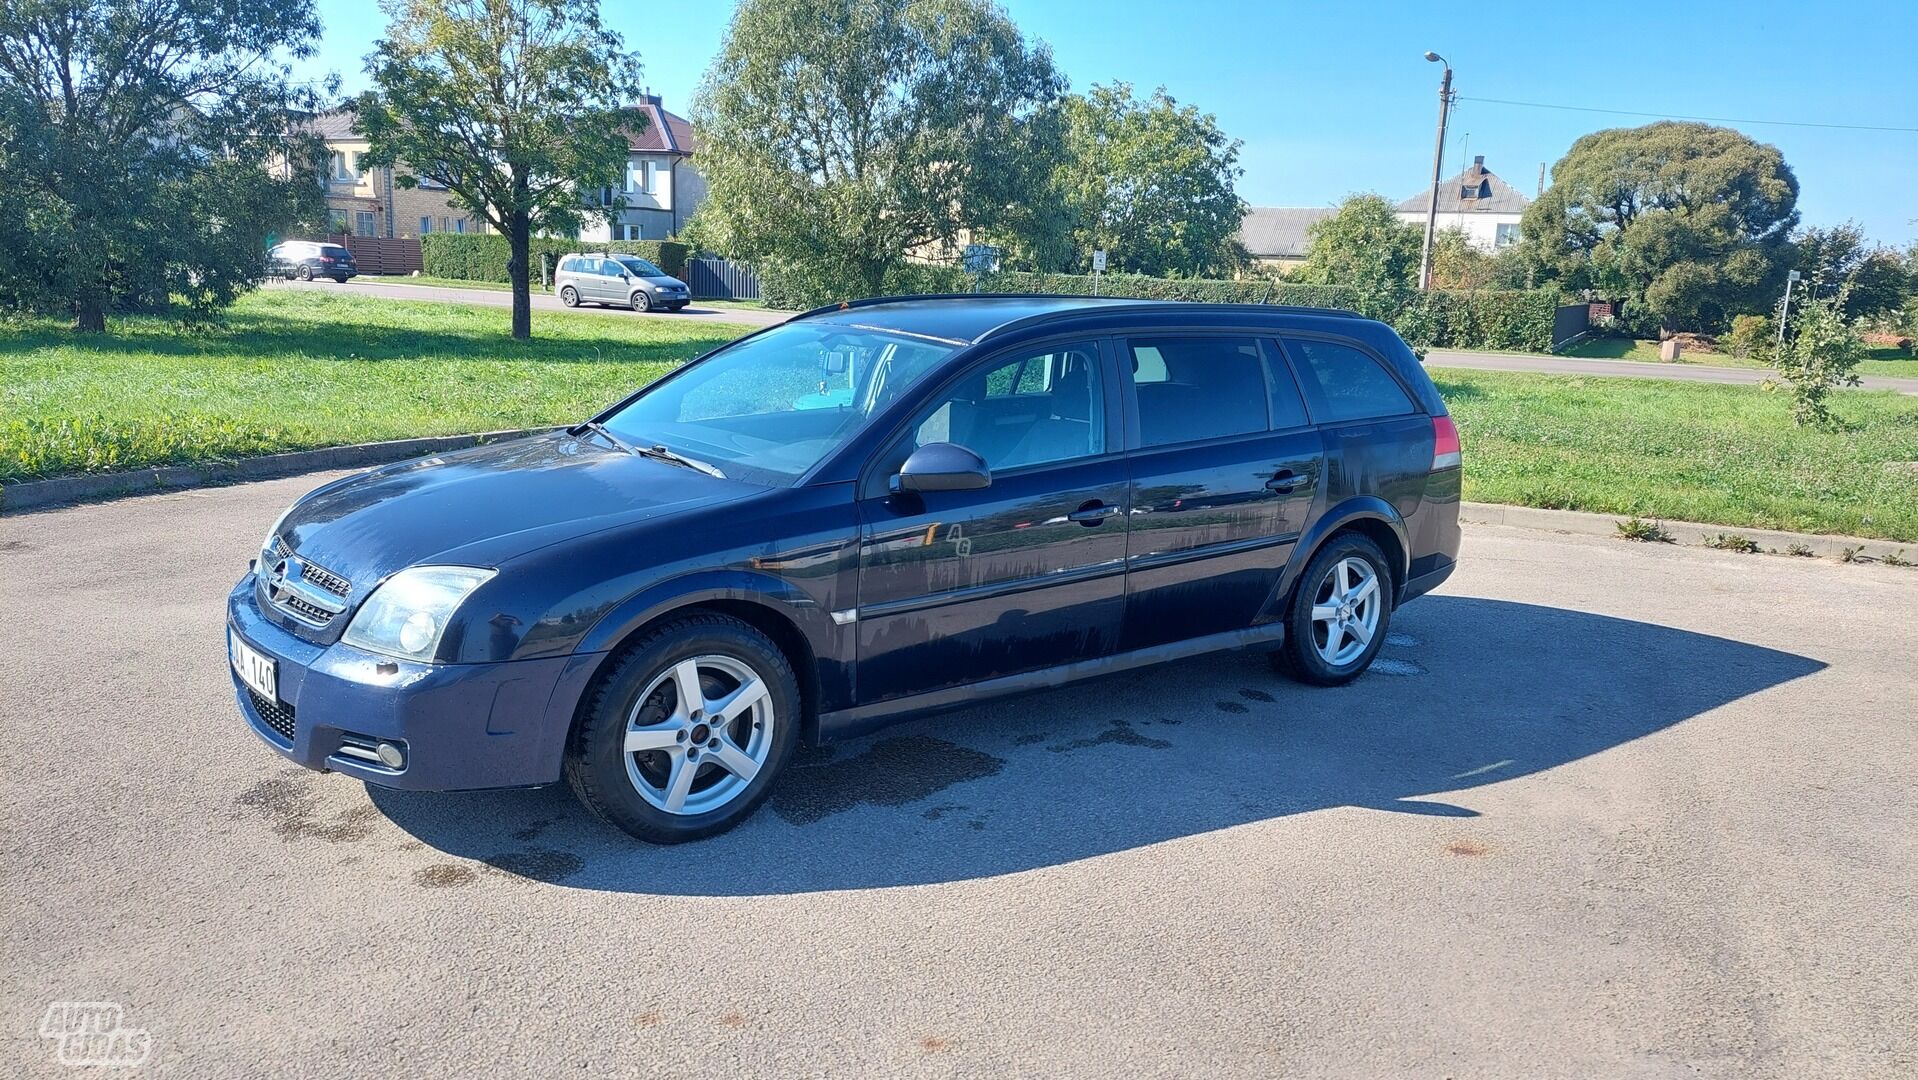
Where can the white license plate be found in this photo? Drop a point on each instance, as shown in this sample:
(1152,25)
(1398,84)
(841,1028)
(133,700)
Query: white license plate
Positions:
(255,668)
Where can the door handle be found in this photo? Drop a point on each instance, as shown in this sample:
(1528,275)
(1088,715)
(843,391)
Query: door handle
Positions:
(1285,481)
(1092,513)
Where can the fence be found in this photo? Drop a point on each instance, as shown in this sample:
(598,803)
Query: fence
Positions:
(384,255)
(721,279)
(1569,322)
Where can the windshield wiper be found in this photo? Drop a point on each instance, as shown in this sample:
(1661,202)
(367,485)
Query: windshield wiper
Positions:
(654,451)
(664,454)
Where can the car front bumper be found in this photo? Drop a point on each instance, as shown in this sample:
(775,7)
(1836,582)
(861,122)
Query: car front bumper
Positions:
(461,726)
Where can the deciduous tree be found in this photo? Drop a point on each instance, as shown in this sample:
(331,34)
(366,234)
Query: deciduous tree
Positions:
(1365,247)
(1687,223)
(131,142)
(838,135)
(1151,183)
(517,107)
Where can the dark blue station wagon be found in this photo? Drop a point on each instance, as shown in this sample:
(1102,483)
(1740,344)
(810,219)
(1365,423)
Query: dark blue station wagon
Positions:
(874,511)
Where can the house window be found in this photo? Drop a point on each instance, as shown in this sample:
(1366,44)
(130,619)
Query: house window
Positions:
(339,167)
(426,225)
(446,223)
(365,223)
(459,225)
(652,178)
(1506,236)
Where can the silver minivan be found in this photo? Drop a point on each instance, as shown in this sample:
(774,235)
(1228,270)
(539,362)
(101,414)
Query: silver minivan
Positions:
(605,278)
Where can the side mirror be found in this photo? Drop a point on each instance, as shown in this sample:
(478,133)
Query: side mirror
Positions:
(942,466)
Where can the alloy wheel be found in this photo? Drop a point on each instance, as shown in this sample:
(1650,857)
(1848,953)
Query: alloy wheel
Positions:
(1345,611)
(701,731)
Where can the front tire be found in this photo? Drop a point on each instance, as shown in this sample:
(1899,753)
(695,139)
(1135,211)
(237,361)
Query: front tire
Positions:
(642,302)
(569,296)
(683,737)
(1340,613)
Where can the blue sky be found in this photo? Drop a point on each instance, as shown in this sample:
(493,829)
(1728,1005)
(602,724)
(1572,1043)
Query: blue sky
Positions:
(1335,98)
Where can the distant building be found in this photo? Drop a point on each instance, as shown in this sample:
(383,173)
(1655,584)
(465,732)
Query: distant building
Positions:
(1475,201)
(365,201)
(1279,235)
(661,188)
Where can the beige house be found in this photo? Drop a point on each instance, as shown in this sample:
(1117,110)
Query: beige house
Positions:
(364,201)
(1475,202)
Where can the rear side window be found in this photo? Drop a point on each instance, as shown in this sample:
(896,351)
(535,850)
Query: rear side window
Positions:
(335,251)
(1345,384)
(569,266)
(1199,387)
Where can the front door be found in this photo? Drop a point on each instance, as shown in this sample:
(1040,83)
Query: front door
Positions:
(1224,469)
(1028,573)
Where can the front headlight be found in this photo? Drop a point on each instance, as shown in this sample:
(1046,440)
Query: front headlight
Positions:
(267,555)
(407,615)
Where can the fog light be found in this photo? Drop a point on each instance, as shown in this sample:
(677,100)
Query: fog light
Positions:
(391,756)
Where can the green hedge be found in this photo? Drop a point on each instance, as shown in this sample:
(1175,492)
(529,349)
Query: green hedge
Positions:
(482,256)
(1481,319)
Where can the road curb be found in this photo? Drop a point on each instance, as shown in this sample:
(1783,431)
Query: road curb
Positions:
(1690,533)
(35,494)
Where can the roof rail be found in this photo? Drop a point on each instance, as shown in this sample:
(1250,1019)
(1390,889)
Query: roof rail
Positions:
(870,301)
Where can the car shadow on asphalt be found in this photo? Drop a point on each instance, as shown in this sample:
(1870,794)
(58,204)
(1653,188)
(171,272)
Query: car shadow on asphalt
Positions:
(1467,692)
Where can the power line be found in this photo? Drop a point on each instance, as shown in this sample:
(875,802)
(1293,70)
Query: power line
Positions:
(1704,119)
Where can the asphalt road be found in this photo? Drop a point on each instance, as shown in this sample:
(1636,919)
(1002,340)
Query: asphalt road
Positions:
(1482,361)
(1601,810)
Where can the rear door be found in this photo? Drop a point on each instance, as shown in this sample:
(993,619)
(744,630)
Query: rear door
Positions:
(1028,573)
(1378,441)
(1224,467)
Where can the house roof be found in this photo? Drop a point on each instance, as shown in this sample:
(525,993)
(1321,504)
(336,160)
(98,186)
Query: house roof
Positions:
(664,132)
(333,125)
(1476,189)
(1280,232)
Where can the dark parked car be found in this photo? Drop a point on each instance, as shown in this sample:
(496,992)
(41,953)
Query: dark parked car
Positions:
(873,511)
(605,278)
(307,259)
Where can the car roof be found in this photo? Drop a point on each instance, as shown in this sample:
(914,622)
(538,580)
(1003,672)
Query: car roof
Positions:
(966,318)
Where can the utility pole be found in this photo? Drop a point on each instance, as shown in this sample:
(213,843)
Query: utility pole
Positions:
(1784,311)
(1438,168)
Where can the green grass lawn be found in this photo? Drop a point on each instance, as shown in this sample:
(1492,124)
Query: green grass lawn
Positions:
(294,369)
(1726,455)
(441,282)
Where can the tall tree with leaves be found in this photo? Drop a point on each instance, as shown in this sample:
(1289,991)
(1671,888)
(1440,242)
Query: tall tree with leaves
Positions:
(1875,278)
(1687,223)
(517,107)
(1151,183)
(1364,247)
(131,139)
(838,135)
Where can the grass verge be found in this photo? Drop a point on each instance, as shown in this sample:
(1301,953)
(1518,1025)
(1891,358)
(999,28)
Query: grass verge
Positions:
(297,369)
(1727,455)
(1894,363)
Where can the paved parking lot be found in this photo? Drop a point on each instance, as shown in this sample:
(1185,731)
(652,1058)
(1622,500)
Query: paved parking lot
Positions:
(1601,810)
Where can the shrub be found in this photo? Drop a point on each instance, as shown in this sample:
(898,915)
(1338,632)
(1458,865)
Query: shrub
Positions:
(1481,319)
(1822,351)
(482,256)
(1750,335)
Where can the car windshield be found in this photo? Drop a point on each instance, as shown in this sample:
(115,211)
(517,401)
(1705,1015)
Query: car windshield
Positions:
(774,405)
(639,266)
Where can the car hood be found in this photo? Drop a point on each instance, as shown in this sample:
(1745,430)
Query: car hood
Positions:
(487,505)
(663,280)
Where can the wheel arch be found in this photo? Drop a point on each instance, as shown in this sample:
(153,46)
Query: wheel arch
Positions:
(793,622)
(1368,516)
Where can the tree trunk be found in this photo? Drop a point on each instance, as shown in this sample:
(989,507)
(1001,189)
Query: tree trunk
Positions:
(92,315)
(520,238)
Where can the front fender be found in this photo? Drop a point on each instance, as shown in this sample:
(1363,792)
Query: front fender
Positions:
(1359,508)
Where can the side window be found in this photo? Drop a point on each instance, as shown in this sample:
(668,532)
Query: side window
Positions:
(1028,409)
(1345,384)
(1288,407)
(1198,387)
(568,266)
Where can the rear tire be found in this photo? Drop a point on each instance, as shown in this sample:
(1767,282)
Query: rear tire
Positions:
(306,273)
(569,296)
(734,740)
(1340,613)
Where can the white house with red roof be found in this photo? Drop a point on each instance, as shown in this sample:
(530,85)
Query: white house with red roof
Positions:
(662,187)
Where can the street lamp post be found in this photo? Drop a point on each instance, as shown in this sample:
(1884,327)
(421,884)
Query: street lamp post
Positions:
(1438,164)
(1784,309)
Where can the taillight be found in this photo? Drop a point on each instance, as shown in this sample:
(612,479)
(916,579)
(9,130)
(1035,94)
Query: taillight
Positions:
(1445,453)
